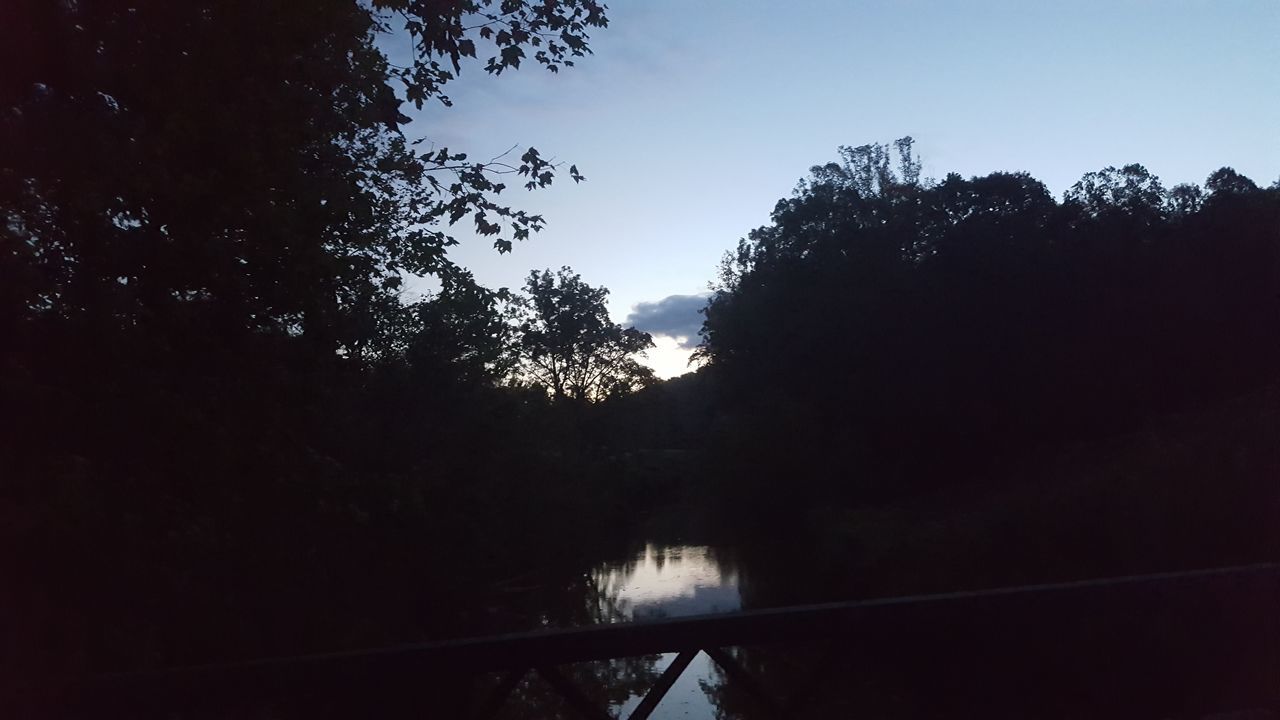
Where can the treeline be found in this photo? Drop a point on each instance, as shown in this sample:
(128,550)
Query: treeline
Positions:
(226,433)
(887,334)
(926,386)
(248,496)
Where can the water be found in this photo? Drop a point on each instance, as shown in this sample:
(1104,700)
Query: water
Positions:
(663,581)
(1003,662)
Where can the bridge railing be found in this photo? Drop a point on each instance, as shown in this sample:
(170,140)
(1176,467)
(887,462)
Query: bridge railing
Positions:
(1236,607)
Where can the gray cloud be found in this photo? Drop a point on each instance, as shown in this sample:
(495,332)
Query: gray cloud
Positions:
(675,316)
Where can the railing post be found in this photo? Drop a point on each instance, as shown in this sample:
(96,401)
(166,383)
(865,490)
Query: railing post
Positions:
(663,684)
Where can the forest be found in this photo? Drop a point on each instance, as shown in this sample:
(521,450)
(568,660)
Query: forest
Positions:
(229,433)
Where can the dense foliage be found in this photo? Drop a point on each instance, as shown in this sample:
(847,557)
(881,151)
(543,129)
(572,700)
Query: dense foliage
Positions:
(242,168)
(570,346)
(226,433)
(911,330)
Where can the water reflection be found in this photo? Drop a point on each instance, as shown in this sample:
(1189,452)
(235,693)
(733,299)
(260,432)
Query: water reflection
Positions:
(671,581)
(1041,648)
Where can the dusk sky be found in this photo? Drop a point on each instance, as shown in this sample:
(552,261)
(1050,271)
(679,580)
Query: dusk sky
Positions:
(693,118)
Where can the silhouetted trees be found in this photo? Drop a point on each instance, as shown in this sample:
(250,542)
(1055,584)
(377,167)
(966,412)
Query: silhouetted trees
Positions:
(568,344)
(227,434)
(916,329)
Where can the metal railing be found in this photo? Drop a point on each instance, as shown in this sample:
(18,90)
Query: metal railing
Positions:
(1239,596)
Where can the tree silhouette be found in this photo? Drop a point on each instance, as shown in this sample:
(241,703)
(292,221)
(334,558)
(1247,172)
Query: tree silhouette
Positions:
(206,212)
(921,325)
(247,167)
(227,434)
(570,346)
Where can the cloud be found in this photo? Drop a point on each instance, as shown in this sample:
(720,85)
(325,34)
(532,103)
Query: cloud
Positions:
(675,316)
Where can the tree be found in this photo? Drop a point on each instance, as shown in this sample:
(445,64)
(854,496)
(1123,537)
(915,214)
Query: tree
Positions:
(570,346)
(1227,181)
(1131,189)
(244,165)
(206,210)
(917,322)
(463,333)
(868,169)
(1185,199)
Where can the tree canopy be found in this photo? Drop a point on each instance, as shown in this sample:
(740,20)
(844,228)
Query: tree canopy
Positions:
(929,322)
(570,346)
(227,432)
(243,167)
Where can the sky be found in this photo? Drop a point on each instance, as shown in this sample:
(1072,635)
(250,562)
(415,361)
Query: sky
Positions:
(694,117)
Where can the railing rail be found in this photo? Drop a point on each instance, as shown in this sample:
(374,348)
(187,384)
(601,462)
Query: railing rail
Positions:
(541,651)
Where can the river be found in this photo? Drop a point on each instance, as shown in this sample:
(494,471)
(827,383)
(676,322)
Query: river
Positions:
(661,581)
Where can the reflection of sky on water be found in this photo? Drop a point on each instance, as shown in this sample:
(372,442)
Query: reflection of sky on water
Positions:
(672,581)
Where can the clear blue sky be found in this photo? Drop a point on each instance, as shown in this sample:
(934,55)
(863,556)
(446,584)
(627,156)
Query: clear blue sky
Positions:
(694,117)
